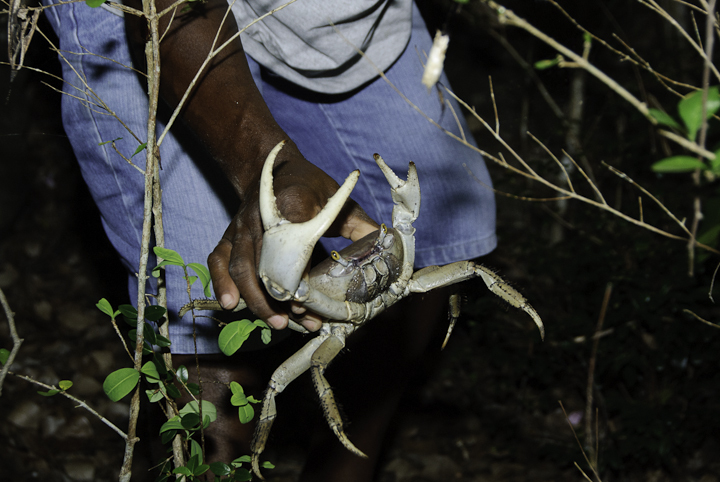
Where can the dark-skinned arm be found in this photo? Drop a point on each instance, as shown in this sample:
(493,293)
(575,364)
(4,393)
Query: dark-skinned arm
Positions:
(231,119)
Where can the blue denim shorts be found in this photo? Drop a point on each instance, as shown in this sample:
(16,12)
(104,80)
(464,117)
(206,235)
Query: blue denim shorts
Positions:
(339,133)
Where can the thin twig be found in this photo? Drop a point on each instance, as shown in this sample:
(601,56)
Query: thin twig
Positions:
(690,146)
(17,341)
(126,159)
(714,325)
(76,400)
(591,373)
(572,429)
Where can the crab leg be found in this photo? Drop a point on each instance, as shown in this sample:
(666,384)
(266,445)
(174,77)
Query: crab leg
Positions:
(291,368)
(453,315)
(320,360)
(433,277)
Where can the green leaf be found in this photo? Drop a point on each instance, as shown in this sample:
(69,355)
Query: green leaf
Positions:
(160,365)
(266,335)
(65,385)
(172,390)
(95,4)
(117,138)
(151,372)
(4,355)
(172,424)
(194,388)
(220,469)
(246,413)
(120,382)
(238,395)
(715,163)
(195,451)
(142,146)
(664,119)
(129,312)
(149,333)
(252,399)
(245,459)
(190,421)
(234,335)
(169,256)
(49,393)
(209,409)
(182,470)
(242,475)
(204,276)
(182,373)
(154,312)
(547,63)
(267,465)
(154,395)
(690,109)
(678,164)
(191,280)
(238,400)
(104,306)
(162,342)
(710,236)
(167,437)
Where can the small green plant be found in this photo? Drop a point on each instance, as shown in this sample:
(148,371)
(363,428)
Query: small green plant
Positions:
(690,109)
(168,384)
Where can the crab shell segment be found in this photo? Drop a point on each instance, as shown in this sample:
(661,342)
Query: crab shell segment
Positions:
(361,271)
(287,246)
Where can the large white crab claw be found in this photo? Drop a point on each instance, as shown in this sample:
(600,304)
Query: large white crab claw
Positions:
(287,246)
(405,195)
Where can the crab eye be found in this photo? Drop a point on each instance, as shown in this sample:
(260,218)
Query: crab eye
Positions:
(338,258)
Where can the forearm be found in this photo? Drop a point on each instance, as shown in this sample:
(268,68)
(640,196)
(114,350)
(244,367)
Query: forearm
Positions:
(225,108)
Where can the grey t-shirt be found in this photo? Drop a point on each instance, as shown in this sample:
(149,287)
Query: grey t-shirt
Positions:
(313,43)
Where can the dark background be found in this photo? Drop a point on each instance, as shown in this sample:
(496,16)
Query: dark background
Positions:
(489,409)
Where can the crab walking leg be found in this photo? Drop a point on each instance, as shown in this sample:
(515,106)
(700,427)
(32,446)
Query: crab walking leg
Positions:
(320,360)
(434,277)
(453,315)
(291,368)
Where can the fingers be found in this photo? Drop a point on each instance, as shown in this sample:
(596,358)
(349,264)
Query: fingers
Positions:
(226,291)
(355,223)
(233,273)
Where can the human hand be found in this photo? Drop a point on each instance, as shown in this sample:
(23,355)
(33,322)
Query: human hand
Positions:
(301,189)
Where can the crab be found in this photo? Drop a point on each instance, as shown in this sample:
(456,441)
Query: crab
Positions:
(349,288)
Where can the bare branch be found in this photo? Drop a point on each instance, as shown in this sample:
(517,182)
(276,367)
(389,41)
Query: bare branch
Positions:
(17,341)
